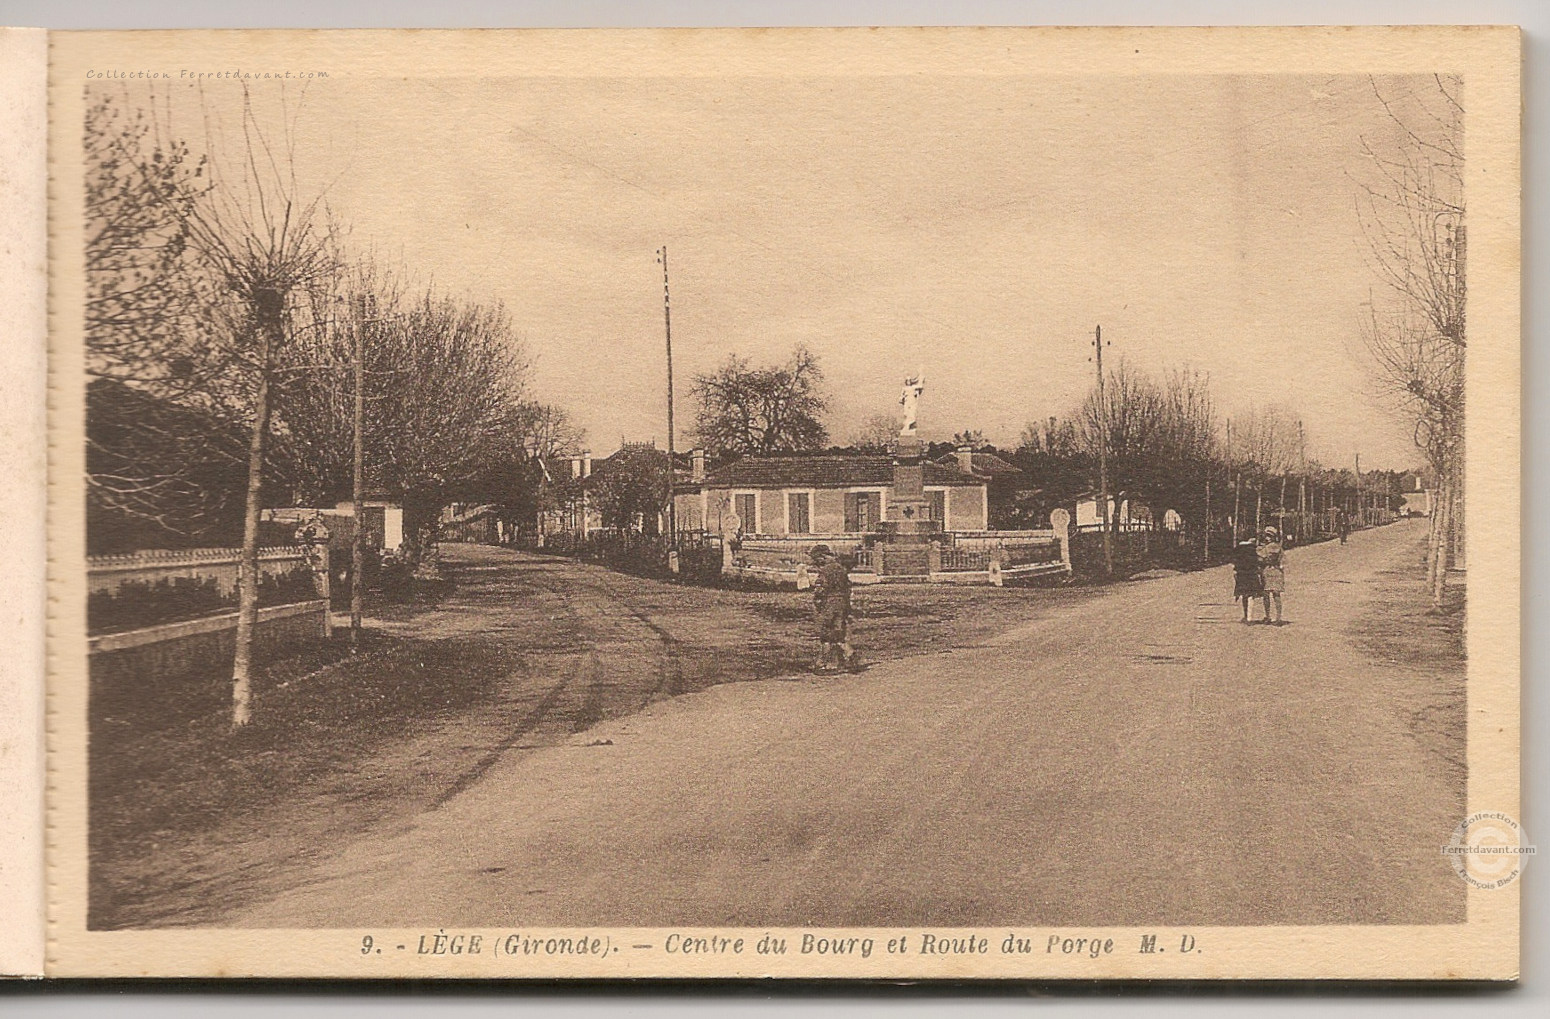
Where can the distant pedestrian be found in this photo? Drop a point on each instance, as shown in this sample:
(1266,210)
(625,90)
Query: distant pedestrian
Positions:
(831,611)
(1247,585)
(1271,574)
(1343,522)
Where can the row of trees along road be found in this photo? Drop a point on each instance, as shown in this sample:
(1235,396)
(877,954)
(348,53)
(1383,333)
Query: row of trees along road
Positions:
(1168,447)
(223,317)
(1411,209)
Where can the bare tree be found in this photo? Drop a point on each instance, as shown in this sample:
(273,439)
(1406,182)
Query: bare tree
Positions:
(446,417)
(267,245)
(1052,435)
(1411,212)
(748,410)
(545,433)
(1264,442)
(548,431)
(876,434)
(1161,435)
(160,463)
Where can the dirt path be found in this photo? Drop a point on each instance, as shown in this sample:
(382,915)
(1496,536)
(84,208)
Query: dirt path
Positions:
(524,653)
(557,653)
(1141,757)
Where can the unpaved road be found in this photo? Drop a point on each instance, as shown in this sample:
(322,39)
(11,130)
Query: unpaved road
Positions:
(1137,758)
(521,653)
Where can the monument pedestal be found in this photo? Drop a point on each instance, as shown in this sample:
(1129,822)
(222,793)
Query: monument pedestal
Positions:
(906,536)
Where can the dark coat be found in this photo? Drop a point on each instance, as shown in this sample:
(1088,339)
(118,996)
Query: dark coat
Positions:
(831,601)
(1247,581)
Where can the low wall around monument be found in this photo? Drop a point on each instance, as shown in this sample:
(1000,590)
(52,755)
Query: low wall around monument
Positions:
(961,557)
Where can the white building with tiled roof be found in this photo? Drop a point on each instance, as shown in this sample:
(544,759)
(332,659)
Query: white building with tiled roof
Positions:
(819,494)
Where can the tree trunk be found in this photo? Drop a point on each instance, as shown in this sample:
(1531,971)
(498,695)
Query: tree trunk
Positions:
(1281,510)
(1439,576)
(1456,524)
(247,570)
(1433,532)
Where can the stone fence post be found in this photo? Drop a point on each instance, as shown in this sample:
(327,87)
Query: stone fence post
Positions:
(1060,520)
(322,579)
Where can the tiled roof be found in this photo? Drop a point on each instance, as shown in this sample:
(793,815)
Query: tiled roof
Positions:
(825,471)
(987,465)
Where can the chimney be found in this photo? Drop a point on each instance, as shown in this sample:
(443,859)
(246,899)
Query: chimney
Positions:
(586,463)
(697,458)
(575,466)
(965,454)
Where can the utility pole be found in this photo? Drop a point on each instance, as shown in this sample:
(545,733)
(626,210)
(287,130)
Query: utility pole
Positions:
(358,481)
(1237,503)
(1281,512)
(1207,556)
(1302,484)
(1236,479)
(667,322)
(1103,457)
(1361,508)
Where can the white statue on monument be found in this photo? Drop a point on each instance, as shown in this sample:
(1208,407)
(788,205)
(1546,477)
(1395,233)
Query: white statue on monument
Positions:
(910,399)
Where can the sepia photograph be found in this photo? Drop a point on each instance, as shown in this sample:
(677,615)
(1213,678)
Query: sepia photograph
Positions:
(999,506)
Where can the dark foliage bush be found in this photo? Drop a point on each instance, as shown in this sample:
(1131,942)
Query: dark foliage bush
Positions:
(644,555)
(140,603)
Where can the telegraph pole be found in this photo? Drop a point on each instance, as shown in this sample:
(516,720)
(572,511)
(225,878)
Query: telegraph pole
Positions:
(1237,488)
(1302,483)
(667,322)
(1361,507)
(1103,456)
(358,482)
(1207,556)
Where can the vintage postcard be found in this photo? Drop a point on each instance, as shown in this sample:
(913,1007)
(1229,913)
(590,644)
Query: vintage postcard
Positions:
(971,503)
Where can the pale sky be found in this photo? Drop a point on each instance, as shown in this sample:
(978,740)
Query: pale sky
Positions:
(978,227)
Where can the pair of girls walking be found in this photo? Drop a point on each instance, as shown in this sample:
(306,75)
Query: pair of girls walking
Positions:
(1258,574)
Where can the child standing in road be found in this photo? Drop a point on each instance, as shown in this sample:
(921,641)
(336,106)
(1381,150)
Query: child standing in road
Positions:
(1247,584)
(831,611)
(1272,577)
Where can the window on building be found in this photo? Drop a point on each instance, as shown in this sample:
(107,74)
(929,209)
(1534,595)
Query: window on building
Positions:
(746,508)
(862,510)
(373,526)
(798,513)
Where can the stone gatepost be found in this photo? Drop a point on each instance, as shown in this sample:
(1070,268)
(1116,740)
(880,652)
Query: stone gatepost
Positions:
(1060,521)
(322,581)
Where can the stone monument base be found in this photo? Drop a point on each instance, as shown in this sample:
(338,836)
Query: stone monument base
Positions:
(905,547)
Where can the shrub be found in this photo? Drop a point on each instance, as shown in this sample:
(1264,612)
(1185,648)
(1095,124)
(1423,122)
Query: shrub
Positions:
(141,603)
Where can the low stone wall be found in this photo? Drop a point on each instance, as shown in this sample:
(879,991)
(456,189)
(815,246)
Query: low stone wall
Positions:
(106,573)
(120,663)
(957,557)
(785,552)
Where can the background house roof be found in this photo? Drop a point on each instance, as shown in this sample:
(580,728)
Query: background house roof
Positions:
(826,471)
(986,465)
